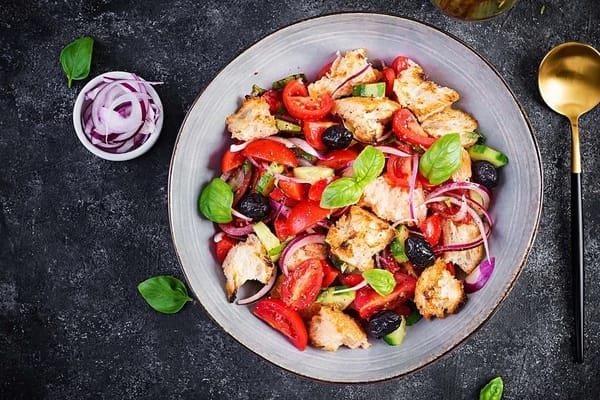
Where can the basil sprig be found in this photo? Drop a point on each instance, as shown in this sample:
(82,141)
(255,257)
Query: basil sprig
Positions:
(216,200)
(493,390)
(76,58)
(442,159)
(347,190)
(381,280)
(164,293)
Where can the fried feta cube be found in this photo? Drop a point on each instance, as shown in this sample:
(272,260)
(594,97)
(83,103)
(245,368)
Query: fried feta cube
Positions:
(330,328)
(365,117)
(391,203)
(438,293)
(253,120)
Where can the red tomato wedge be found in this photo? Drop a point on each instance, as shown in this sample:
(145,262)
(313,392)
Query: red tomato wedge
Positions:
(315,192)
(399,64)
(368,301)
(273,97)
(282,318)
(407,128)
(398,171)
(324,70)
(282,228)
(305,215)
(432,228)
(223,246)
(389,76)
(338,159)
(313,132)
(301,287)
(270,150)
(293,190)
(231,160)
(300,105)
(351,279)
(330,274)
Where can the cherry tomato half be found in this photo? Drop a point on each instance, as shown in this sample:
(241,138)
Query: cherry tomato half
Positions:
(282,318)
(407,128)
(368,301)
(432,228)
(305,215)
(316,189)
(324,70)
(400,63)
(273,97)
(300,105)
(293,190)
(338,159)
(330,274)
(231,160)
(399,170)
(313,132)
(223,246)
(301,287)
(389,75)
(270,150)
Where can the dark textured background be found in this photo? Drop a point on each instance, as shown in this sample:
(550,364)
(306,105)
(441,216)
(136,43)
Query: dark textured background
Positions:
(77,233)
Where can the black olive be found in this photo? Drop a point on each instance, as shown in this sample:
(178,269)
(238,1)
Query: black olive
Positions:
(336,137)
(384,322)
(255,206)
(419,251)
(485,173)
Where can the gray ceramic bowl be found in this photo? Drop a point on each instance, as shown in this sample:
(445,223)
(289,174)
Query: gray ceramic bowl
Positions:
(305,47)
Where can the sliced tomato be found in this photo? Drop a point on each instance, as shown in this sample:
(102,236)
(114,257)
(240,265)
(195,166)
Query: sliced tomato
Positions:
(223,246)
(231,160)
(407,128)
(431,227)
(301,287)
(315,192)
(294,190)
(389,75)
(273,97)
(351,279)
(270,150)
(338,159)
(330,274)
(305,215)
(399,170)
(284,319)
(282,227)
(368,301)
(403,309)
(400,63)
(300,105)
(279,196)
(326,68)
(313,132)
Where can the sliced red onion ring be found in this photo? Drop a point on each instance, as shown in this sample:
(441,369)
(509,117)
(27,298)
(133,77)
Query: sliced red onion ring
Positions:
(232,230)
(462,211)
(354,288)
(356,75)
(297,243)
(392,150)
(480,275)
(482,190)
(290,178)
(280,208)
(462,246)
(240,215)
(412,183)
(302,144)
(262,292)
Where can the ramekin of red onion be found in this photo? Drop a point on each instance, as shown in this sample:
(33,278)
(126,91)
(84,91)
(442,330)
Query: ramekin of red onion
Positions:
(118,116)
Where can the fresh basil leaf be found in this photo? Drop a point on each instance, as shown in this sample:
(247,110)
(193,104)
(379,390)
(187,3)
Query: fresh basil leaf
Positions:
(493,390)
(76,58)
(341,192)
(165,294)
(216,200)
(381,280)
(368,165)
(442,159)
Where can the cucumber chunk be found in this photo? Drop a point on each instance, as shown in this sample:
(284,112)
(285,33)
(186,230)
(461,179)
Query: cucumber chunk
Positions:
(396,337)
(287,126)
(280,84)
(369,90)
(313,173)
(482,152)
(336,300)
(397,244)
(267,238)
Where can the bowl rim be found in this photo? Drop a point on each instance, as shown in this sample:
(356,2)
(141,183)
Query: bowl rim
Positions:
(511,281)
(129,155)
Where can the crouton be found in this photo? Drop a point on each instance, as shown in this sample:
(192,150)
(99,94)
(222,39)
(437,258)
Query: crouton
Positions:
(357,236)
(341,69)
(438,293)
(365,117)
(246,261)
(456,233)
(421,96)
(330,329)
(253,120)
(463,173)
(391,202)
(451,120)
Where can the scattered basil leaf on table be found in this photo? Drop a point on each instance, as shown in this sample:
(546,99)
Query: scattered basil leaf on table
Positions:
(166,294)
(442,159)
(216,200)
(76,58)
(493,390)
(381,280)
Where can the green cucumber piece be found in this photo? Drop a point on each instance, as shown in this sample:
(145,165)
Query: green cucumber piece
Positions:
(369,90)
(280,84)
(257,90)
(287,126)
(313,173)
(339,301)
(482,152)
(468,139)
(397,244)
(267,238)
(265,184)
(396,337)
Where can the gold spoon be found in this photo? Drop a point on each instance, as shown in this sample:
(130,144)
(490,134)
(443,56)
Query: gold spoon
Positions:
(569,82)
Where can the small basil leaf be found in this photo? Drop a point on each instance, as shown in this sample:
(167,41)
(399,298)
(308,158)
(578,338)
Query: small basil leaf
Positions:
(381,280)
(166,294)
(493,390)
(76,58)
(216,200)
(442,159)
(368,165)
(341,192)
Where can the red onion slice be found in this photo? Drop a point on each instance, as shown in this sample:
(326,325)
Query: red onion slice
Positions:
(480,275)
(297,243)
(392,150)
(356,75)
(303,145)
(412,183)
(354,288)
(261,293)
(482,190)
(233,230)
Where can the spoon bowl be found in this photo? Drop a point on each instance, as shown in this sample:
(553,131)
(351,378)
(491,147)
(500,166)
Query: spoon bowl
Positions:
(569,82)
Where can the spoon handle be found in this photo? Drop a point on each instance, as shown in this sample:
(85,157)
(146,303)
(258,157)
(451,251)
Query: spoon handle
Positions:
(577,261)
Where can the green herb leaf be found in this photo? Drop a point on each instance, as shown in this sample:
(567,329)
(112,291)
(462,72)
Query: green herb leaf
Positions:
(166,294)
(493,390)
(442,159)
(381,280)
(341,192)
(216,200)
(368,165)
(414,315)
(76,58)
